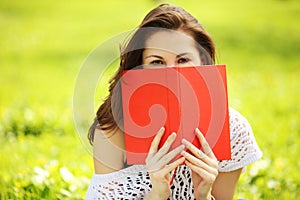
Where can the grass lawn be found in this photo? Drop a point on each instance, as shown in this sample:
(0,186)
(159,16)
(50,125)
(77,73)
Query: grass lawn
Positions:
(45,43)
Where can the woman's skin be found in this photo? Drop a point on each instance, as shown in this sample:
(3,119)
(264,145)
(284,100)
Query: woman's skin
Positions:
(169,49)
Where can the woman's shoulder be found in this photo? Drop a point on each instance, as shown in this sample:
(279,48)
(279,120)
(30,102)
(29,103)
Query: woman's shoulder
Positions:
(236,117)
(108,151)
(244,148)
(238,124)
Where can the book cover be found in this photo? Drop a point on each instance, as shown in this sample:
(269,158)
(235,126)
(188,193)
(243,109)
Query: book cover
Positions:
(180,99)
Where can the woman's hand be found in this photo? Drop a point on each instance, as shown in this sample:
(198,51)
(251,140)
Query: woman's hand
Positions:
(204,166)
(158,166)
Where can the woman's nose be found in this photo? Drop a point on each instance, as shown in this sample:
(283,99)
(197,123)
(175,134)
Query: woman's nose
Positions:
(170,64)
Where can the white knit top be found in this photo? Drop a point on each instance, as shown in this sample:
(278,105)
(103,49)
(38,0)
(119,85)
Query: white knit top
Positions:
(134,182)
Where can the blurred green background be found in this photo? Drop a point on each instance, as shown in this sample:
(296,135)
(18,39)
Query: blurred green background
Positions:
(44,44)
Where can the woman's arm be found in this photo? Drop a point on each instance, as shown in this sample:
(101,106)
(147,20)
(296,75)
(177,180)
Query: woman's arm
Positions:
(205,174)
(108,151)
(159,167)
(225,183)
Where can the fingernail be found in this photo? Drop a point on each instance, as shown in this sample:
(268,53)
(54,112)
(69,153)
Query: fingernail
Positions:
(184,141)
(174,134)
(198,132)
(161,130)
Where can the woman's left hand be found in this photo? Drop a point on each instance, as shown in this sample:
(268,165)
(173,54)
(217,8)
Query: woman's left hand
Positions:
(204,166)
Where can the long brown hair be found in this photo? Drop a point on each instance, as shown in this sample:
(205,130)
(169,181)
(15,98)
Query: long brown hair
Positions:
(164,16)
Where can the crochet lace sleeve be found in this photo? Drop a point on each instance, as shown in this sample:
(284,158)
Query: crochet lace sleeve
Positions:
(244,149)
(130,183)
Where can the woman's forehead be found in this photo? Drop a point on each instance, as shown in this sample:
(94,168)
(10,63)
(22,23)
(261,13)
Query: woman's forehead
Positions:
(171,41)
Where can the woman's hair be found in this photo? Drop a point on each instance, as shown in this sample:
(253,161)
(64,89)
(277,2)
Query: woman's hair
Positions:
(167,17)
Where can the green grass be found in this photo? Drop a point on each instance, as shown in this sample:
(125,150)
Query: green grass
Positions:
(44,44)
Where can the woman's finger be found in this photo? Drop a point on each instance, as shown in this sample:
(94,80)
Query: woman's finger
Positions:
(168,168)
(154,165)
(153,160)
(197,152)
(165,148)
(205,175)
(210,165)
(205,146)
(156,141)
(171,155)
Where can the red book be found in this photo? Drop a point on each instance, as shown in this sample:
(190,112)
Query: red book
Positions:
(180,99)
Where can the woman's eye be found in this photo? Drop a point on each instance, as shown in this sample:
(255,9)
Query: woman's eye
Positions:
(156,62)
(183,60)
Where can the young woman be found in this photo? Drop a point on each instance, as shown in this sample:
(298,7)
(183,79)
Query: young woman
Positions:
(168,36)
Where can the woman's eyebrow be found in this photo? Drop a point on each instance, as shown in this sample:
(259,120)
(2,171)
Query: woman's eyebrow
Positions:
(156,56)
(182,54)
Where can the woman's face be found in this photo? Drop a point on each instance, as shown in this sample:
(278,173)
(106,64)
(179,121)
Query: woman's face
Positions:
(169,49)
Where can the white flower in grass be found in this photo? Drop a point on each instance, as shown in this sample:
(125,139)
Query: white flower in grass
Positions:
(53,163)
(273,184)
(65,193)
(28,114)
(40,176)
(66,175)
(260,165)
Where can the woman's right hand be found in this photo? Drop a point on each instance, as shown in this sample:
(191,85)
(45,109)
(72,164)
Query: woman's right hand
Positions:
(158,166)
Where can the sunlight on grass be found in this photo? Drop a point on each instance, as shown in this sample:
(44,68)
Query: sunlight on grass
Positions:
(44,44)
